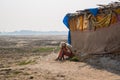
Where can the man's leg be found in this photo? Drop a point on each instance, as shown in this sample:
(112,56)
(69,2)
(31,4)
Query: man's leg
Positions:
(60,55)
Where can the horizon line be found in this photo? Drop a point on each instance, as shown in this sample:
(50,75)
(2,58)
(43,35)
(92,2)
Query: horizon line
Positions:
(35,31)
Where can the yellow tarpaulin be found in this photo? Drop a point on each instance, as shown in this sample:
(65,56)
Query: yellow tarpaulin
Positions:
(80,23)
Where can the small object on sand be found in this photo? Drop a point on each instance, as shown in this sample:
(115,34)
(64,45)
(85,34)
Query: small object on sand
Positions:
(31,77)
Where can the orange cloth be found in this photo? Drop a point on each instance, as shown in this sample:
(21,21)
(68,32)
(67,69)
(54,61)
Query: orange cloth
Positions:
(103,20)
(73,24)
(80,23)
(99,17)
(113,19)
(85,22)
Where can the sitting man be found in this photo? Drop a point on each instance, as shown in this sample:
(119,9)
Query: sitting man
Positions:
(65,51)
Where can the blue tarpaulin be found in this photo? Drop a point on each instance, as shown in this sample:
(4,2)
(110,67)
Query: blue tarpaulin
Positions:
(65,21)
(69,37)
(94,11)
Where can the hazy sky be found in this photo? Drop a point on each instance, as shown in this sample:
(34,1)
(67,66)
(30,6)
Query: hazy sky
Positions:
(40,15)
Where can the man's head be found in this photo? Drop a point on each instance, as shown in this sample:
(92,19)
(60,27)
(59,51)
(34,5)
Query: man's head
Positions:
(62,44)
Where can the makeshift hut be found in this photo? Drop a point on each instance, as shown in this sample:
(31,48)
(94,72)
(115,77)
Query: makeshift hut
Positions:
(95,30)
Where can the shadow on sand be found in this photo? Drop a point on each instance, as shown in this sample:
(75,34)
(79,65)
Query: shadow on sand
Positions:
(108,62)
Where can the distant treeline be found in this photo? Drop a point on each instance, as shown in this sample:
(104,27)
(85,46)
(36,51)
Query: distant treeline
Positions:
(29,32)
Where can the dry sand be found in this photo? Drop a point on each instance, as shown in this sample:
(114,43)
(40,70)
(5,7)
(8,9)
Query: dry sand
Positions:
(44,67)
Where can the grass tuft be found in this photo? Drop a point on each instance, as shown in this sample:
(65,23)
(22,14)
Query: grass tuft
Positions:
(43,49)
(25,62)
(17,72)
(76,59)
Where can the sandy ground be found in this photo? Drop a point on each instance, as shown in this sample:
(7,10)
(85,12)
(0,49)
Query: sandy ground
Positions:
(20,66)
(46,68)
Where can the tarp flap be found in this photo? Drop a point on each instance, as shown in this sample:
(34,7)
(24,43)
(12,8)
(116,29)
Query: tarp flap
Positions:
(94,11)
(65,21)
(69,37)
